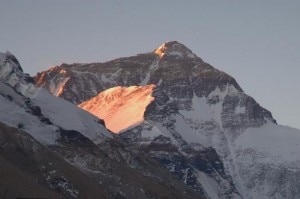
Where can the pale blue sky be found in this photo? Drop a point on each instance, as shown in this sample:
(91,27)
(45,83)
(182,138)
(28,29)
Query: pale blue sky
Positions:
(257,41)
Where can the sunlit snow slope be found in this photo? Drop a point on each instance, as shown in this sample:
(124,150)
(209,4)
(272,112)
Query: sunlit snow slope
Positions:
(120,107)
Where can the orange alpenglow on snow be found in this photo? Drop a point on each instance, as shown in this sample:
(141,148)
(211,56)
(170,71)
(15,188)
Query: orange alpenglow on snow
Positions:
(121,108)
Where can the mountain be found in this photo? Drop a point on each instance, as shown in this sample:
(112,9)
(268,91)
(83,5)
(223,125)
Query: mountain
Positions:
(50,148)
(201,125)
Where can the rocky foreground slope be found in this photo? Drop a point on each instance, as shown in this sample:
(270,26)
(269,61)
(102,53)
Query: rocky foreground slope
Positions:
(201,126)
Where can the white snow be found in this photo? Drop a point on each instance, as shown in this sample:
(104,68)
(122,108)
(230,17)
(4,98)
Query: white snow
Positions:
(160,50)
(120,107)
(270,146)
(69,117)
(174,53)
(159,82)
(174,49)
(240,110)
(213,188)
(13,115)
(28,90)
(266,153)
(209,185)
(57,87)
(152,68)
(274,143)
(60,112)
(185,177)
(200,110)
(217,108)
(11,74)
(186,131)
(151,132)
(8,90)
(191,55)
(145,80)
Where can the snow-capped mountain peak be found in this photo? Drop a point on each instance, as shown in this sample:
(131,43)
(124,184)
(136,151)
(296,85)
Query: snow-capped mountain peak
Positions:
(174,48)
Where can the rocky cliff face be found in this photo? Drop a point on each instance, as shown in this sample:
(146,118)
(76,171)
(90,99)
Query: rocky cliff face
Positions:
(201,126)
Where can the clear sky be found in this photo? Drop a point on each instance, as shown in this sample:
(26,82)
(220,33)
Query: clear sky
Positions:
(257,41)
